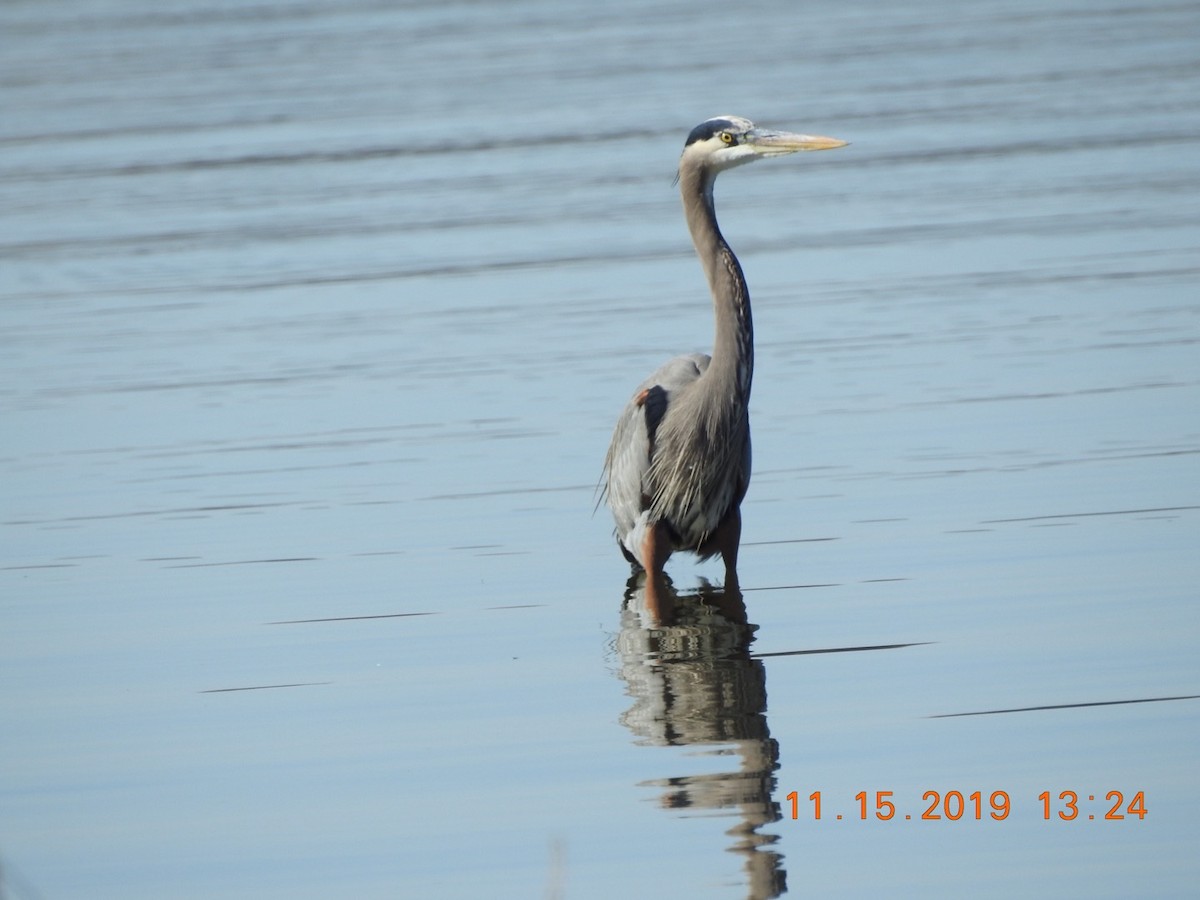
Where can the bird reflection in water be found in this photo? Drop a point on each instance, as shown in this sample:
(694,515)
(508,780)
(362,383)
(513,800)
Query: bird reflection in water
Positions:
(686,660)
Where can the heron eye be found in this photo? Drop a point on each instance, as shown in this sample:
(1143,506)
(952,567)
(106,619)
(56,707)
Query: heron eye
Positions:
(726,137)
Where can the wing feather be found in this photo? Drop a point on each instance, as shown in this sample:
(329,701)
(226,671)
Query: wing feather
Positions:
(631,452)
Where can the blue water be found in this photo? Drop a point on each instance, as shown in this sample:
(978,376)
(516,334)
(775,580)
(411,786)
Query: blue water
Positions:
(316,318)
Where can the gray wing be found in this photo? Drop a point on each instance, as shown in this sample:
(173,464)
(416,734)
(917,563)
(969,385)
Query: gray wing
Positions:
(632,448)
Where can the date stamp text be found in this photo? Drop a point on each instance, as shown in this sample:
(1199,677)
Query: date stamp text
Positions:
(953,806)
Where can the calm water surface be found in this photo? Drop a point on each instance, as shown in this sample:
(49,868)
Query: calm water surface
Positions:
(315,320)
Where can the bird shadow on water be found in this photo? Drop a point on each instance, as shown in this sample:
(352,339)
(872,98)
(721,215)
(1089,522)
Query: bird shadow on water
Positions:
(685,659)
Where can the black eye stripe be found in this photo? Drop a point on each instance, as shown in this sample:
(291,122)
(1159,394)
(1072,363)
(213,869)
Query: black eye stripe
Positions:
(706,130)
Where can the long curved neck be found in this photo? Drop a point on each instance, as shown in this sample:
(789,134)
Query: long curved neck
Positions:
(733,345)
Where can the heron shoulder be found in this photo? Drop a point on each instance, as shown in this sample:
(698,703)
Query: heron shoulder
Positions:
(678,372)
(646,408)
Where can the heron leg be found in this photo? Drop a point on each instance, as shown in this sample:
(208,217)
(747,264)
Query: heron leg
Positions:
(727,537)
(656,550)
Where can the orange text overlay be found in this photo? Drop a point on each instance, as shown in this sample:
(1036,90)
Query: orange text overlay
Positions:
(953,806)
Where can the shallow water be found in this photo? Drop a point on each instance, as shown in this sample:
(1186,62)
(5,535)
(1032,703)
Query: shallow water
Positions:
(316,318)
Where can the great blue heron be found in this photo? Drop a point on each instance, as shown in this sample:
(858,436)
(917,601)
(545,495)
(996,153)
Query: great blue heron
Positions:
(679,462)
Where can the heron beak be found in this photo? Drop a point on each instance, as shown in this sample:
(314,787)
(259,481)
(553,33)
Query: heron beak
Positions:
(777,143)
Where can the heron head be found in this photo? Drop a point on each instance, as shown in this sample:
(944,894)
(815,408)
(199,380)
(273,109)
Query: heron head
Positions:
(728,141)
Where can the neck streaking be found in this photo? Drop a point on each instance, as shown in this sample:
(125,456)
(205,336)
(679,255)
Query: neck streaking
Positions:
(733,344)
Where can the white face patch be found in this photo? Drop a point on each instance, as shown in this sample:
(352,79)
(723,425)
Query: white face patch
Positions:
(722,147)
